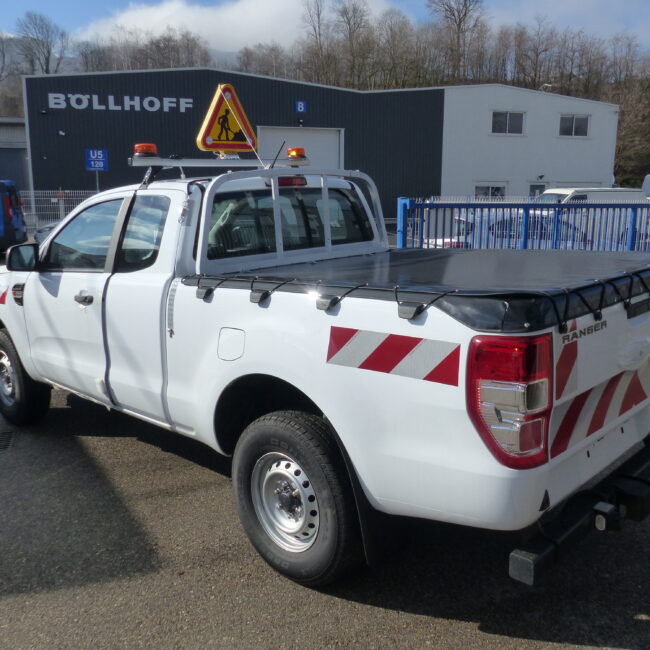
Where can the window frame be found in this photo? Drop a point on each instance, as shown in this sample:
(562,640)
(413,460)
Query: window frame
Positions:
(123,210)
(126,222)
(357,182)
(573,117)
(490,195)
(508,114)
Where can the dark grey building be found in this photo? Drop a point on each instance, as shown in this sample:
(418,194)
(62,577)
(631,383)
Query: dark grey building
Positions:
(13,151)
(395,136)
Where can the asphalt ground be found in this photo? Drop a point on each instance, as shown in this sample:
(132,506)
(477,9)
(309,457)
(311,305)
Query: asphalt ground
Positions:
(115,534)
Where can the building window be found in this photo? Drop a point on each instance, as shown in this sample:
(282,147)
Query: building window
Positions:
(536,189)
(490,191)
(574,125)
(506,122)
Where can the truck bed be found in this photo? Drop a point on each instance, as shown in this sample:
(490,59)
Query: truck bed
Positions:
(519,291)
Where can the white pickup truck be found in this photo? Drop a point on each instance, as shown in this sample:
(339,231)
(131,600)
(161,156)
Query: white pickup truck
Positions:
(263,313)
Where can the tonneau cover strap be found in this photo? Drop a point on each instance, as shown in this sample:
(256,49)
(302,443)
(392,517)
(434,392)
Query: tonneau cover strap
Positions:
(327,302)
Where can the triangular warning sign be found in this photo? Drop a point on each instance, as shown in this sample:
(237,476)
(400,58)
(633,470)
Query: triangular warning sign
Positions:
(226,127)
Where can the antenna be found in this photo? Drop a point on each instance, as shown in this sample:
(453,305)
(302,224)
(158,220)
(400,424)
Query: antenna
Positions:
(277,155)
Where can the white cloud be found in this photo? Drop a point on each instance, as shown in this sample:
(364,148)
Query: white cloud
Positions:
(229,26)
(602,18)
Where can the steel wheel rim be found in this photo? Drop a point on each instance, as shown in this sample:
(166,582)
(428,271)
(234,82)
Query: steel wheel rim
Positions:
(285,502)
(7,377)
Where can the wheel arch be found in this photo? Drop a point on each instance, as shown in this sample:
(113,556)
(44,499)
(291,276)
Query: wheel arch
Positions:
(261,394)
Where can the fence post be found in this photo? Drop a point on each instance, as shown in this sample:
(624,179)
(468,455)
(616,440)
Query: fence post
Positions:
(402,220)
(524,227)
(555,227)
(631,233)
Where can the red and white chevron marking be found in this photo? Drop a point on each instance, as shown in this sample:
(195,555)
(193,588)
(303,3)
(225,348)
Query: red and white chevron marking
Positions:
(394,354)
(566,380)
(597,407)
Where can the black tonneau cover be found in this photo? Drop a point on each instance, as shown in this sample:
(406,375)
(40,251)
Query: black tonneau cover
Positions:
(488,290)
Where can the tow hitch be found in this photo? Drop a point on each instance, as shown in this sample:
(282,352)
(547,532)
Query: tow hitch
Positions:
(623,495)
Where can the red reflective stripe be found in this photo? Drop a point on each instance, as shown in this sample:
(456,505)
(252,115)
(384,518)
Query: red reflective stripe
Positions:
(339,336)
(389,353)
(598,420)
(565,364)
(446,372)
(3,297)
(633,395)
(568,424)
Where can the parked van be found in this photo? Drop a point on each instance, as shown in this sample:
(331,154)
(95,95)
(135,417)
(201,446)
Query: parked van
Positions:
(12,218)
(592,195)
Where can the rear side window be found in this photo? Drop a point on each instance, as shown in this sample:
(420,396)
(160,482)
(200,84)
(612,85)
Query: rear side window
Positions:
(144,229)
(241,224)
(302,221)
(348,219)
(83,244)
(303,217)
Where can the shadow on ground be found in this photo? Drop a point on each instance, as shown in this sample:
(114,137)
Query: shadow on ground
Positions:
(62,523)
(74,528)
(597,595)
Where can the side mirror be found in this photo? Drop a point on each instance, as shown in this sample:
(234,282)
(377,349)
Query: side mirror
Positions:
(23,257)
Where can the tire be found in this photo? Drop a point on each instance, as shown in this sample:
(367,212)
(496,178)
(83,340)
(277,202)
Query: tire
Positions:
(294,498)
(22,400)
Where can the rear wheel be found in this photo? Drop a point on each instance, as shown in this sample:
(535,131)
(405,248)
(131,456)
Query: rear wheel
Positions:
(294,497)
(22,400)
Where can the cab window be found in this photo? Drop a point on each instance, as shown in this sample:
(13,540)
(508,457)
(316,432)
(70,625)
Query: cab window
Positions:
(83,244)
(348,220)
(144,228)
(241,224)
(302,222)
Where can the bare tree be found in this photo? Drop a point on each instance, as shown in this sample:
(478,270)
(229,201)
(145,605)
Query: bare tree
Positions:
(133,49)
(43,44)
(354,30)
(316,56)
(3,57)
(264,58)
(462,18)
(395,50)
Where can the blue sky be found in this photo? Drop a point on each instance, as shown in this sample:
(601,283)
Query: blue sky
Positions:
(252,21)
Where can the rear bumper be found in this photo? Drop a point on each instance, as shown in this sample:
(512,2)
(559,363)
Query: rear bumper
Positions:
(624,494)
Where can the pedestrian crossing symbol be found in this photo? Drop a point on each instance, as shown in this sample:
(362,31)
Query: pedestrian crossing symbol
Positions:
(226,128)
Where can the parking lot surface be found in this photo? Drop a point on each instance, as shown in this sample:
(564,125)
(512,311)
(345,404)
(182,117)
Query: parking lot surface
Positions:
(115,534)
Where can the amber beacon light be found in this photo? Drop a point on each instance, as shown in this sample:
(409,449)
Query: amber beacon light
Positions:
(145,149)
(296,152)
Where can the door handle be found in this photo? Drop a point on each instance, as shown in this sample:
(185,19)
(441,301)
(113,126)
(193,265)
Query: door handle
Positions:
(83,299)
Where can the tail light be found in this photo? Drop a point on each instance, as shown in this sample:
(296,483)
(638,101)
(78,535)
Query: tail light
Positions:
(8,213)
(509,396)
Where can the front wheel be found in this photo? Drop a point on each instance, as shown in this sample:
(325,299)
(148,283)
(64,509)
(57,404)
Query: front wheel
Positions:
(22,400)
(294,497)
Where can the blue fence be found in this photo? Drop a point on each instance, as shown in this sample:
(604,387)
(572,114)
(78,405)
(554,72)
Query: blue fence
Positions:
(576,226)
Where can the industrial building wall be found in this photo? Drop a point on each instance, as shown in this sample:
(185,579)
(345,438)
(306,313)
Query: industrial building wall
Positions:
(474,156)
(396,137)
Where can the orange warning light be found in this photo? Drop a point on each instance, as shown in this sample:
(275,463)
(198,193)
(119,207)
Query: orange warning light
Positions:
(145,149)
(296,152)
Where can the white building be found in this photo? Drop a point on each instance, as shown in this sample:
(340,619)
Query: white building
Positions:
(506,141)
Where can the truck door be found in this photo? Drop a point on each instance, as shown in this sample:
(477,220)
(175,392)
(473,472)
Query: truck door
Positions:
(63,300)
(136,299)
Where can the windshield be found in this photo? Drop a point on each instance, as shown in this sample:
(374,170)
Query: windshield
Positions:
(551,197)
